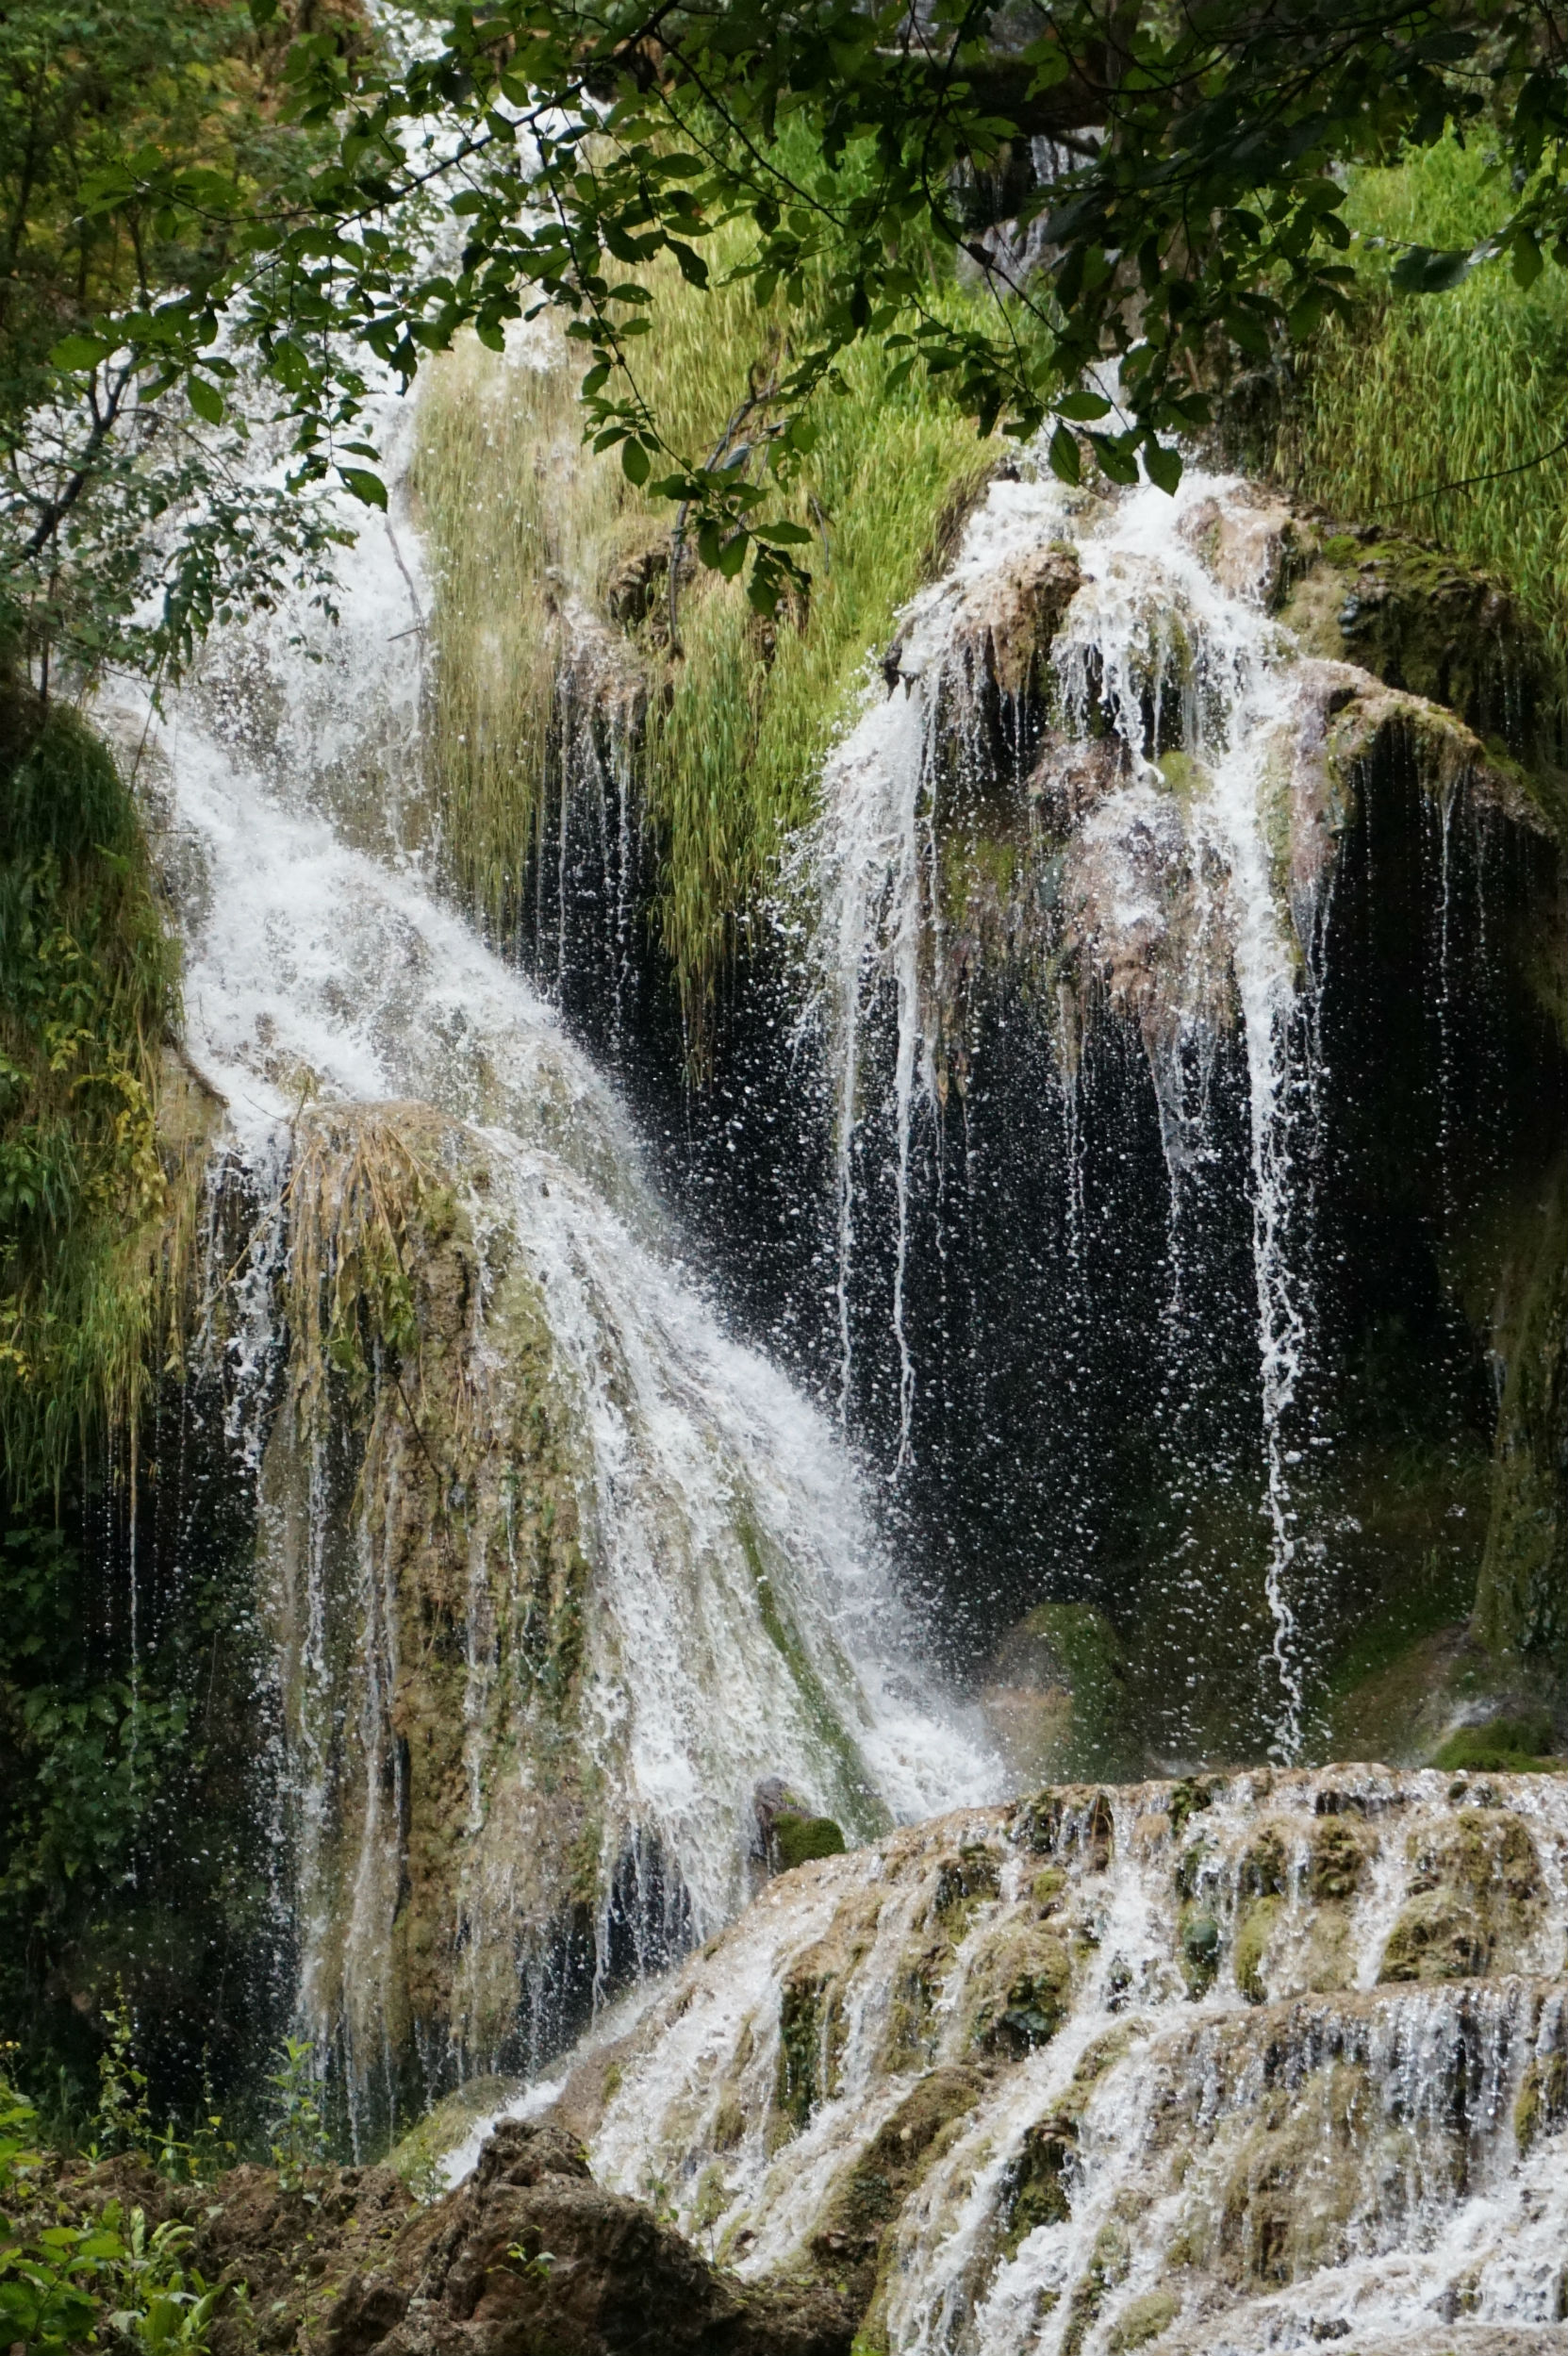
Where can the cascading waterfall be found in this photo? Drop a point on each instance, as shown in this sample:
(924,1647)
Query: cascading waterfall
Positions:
(557,1570)
(1235,2064)
(1163,651)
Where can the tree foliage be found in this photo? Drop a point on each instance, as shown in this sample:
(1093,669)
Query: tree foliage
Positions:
(1185,200)
(130,512)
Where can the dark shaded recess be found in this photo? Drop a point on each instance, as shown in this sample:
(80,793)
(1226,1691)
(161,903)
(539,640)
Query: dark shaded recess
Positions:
(1445,1102)
(743,1156)
(146,1868)
(583,1961)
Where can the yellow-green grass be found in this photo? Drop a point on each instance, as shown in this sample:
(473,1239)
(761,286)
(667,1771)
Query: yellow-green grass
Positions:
(520,517)
(1419,391)
(87,1002)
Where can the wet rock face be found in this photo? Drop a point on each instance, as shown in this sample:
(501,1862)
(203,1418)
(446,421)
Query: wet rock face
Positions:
(525,1527)
(1231,2063)
(532,2254)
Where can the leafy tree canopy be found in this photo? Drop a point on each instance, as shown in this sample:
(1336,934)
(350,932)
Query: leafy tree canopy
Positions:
(1173,177)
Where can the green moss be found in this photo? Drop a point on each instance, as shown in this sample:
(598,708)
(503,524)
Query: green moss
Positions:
(850,2239)
(1143,2319)
(1034,2191)
(798,1839)
(1189,1797)
(1107,2265)
(1541,2102)
(971,1878)
(1201,1948)
(1474,1888)
(86,1001)
(415,2159)
(867,1813)
(1254,1928)
(1339,1858)
(1073,1648)
(1021,1990)
(1502,1745)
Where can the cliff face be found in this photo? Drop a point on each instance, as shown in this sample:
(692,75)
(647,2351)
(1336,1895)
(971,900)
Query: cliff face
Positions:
(1232,2062)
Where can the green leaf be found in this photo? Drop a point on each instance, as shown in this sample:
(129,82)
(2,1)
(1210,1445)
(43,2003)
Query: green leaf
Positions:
(1527,261)
(1117,460)
(204,399)
(364,487)
(1244,328)
(762,592)
(1082,405)
(1066,462)
(693,268)
(1427,270)
(1162,465)
(79,351)
(634,461)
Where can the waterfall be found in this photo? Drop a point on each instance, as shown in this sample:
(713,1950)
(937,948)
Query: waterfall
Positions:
(557,1569)
(1235,2063)
(1113,653)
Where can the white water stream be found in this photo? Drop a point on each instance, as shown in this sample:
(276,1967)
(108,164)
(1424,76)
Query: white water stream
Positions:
(1346,2124)
(322,970)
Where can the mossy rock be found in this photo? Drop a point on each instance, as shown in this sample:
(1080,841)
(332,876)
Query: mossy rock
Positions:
(1022,1989)
(1254,1928)
(1033,2190)
(1143,2319)
(416,2159)
(1501,1747)
(968,1878)
(1541,2102)
(1057,1699)
(1474,1888)
(1107,2265)
(1189,1797)
(799,1839)
(1200,1950)
(1339,1860)
(869,2195)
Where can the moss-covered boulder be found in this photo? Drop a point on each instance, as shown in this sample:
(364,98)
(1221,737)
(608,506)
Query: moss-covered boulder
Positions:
(1476,1891)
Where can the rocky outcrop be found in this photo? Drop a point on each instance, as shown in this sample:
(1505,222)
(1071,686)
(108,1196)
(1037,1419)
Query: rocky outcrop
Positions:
(1213,963)
(530,2255)
(525,1523)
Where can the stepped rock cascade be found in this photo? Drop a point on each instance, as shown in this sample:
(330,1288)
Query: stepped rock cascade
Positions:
(1233,2063)
(1108,995)
(555,1570)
